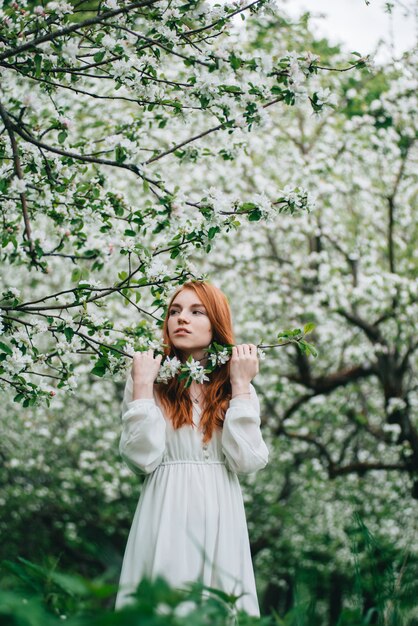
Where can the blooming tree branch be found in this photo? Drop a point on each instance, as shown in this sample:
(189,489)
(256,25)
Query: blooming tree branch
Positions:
(93,102)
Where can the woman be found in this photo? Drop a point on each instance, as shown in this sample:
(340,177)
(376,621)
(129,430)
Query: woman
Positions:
(192,442)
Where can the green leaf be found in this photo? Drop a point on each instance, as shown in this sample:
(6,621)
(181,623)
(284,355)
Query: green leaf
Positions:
(99,56)
(248,206)
(308,328)
(255,216)
(231,89)
(5,348)
(69,333)
(212,231)
(235,62)
(98,370)
(120,154)
(307,348)
(312,350)
(38,65)
(76,275)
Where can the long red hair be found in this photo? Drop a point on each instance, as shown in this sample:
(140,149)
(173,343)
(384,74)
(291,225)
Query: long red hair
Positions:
(174,397)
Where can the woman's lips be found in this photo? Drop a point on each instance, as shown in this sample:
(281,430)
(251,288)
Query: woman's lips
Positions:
(180,331)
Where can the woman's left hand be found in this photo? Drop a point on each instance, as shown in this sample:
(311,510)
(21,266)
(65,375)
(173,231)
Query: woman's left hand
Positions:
(243,364)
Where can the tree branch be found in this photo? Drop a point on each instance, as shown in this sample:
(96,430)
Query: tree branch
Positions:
(370,330)
(18,171)
(362,468)
(73,27)
(200,135)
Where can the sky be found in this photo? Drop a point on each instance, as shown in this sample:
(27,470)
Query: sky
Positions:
(360,26)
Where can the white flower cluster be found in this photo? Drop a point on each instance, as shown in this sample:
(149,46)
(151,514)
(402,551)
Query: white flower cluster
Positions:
(17,361)
(14,291)
(60,8)
(261,354)
(219,358)
(297,200)
(108,42)
(219,200)
(326,97)
(111,4)
(40,326)
(70,50)
(39,10)
(392,429)
(157,270)
(168,369)
(122,68)
(265,205)
(65,121)
(297,76)
(395,404)
(18,184)
(196,371)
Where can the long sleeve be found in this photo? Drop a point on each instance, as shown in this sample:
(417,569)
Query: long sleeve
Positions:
(242,442)
(142,442)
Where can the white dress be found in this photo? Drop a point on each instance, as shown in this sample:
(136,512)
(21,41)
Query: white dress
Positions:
(190,521)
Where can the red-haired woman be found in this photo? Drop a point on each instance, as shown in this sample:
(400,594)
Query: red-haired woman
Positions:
(192,442)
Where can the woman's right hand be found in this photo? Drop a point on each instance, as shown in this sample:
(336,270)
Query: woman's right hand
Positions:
(145,367)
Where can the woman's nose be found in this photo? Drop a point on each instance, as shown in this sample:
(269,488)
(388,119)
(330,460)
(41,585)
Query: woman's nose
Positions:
(183,318)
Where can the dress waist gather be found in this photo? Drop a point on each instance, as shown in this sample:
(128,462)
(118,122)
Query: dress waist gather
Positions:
(193,462)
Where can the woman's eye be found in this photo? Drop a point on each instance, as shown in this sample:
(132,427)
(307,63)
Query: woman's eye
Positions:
(201,312)
(172,312)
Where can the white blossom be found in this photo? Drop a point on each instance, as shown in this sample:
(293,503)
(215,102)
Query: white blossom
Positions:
(395,404)
(70,50)
(196,371)
(157,270)
(326,96)
(219,358)
(121,68)
(108,42)
(18,184)
(111,4)
(261,354)
(60,8)
(168,369)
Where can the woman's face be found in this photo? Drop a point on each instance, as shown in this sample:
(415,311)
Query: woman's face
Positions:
(189,327)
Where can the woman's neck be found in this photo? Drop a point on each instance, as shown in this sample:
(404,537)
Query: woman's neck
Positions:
(200,356)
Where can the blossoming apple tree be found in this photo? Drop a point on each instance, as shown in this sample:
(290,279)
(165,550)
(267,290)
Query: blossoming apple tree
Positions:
(343,428)
(146,143)
(96,106)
